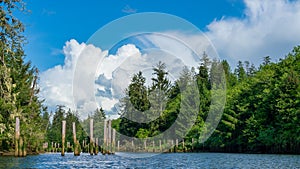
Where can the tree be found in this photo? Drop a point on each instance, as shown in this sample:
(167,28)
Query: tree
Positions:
(18,80)
(135,106)
(56,126)
(267,60)
(158,96)
(240,71)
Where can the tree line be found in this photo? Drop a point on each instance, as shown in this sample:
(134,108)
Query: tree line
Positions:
(261,114)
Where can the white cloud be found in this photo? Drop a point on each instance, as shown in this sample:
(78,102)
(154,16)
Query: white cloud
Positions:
(185,46)
(77,84)
(110,63)
(268,28)
(56,84)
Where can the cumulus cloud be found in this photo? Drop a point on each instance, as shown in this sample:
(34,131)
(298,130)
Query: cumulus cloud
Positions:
(84,81)
(56,84)
(111,62)
(99,79)
(268,28)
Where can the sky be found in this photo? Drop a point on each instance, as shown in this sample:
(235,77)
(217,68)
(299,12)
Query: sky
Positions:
(51,23)
(61,36)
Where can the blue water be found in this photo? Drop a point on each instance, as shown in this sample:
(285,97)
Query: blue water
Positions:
(172,160)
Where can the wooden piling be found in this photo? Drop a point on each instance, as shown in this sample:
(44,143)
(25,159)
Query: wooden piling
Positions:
(109,137)
(24,152)
(132,146)
(176,147)
(183,145)
(104,146)
(118,145)
(63,138)
(172,145)
(74,132)
(76,143)
(91,145)
(145,145)
(17,137)
(114,141)
(153,145)
(96,150)
(160,148)
(21,147)
(192,144)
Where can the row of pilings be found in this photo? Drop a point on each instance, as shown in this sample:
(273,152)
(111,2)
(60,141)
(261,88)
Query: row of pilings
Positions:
(93,147)
(108,145)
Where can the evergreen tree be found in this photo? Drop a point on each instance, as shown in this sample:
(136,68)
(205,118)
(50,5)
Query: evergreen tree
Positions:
(18,81)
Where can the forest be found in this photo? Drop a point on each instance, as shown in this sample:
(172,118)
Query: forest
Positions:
(261,114)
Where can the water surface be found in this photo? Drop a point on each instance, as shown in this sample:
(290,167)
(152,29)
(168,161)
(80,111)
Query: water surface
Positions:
(172,160)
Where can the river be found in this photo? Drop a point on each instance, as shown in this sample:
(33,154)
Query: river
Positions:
(171,160)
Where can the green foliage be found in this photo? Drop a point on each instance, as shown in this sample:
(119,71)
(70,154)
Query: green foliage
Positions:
(18,82)
(262,110)
(261,114)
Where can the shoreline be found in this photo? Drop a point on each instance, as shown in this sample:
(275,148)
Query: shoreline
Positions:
(10,154)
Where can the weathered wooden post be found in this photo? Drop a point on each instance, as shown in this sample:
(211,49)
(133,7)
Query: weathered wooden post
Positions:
(172,146)
(17,137)
(183,145)
(91,137)
(24,153)
(83,146)
(76,143)
(109,136)
(176,147)
(104,147)
(192,144)
(132,145)
(21,145)
(74,132)
(160,148)
(153,145)
(114,141)
(63,138)
(118,145)
(145,145)
(96,146)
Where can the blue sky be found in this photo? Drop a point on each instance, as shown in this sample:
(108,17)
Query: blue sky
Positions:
(58,33)
(51,23)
